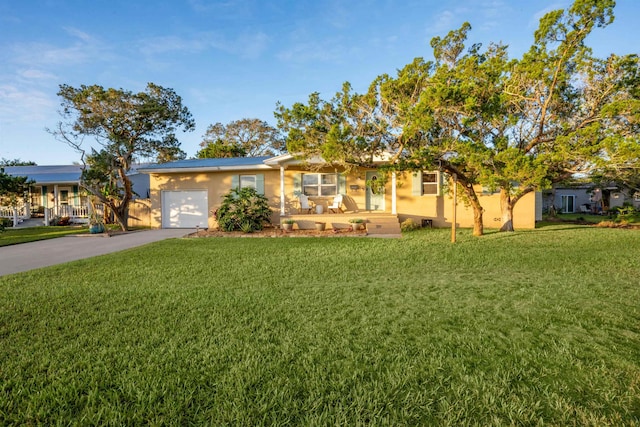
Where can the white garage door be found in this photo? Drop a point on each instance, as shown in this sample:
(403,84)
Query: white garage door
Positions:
(184,209)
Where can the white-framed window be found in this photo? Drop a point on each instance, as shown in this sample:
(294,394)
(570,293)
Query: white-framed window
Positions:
(256,182)
(320,184)
(248,181)
(430,183)
(426,183)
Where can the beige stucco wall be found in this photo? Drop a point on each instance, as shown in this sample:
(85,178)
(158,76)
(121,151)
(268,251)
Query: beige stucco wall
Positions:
(440,208)
(217,185)
(437,208)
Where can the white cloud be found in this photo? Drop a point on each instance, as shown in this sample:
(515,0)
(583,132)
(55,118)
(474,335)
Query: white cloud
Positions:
(443,22)
(83,49)
(24,105)
(313,51)
(246,45)
(34,74)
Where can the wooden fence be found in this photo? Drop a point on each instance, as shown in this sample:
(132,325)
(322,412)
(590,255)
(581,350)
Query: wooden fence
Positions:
(140,213)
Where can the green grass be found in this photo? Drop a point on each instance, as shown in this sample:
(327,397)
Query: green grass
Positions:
(13,236)
(528,328)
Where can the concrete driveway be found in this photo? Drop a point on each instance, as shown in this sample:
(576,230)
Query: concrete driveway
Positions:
(43,253)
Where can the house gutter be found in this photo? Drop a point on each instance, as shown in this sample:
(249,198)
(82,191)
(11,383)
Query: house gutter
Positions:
(205,169)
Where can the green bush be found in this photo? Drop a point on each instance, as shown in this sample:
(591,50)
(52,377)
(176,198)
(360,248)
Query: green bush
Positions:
(409,225)
(4,223)
(243,210)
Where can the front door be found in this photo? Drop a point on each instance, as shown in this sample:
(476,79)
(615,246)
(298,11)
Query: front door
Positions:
(375,194)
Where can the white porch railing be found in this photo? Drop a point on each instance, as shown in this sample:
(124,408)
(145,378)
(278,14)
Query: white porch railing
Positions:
(8,212)
(72,211)
(59,211)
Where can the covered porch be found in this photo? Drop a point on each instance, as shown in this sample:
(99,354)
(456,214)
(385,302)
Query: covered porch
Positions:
(339,220)
(321,183)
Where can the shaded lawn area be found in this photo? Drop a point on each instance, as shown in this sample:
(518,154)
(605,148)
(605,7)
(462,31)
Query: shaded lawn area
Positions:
(13,236)
(530,327)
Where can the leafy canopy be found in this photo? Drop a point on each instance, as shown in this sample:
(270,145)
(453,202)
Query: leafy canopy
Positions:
(127,126)
(240,138)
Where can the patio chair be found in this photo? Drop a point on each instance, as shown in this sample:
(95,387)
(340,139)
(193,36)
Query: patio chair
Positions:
(305,204)
(336,207)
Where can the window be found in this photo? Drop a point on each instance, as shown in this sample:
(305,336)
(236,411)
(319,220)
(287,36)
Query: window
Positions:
(426,183)
(430,183)
(64,197)
(568,203)
(248,181)
(320,184)
(256,182)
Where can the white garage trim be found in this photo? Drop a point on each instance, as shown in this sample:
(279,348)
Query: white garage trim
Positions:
(184,209)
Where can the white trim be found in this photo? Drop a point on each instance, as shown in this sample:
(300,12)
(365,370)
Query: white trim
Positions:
(394,205)
(282,201)
(206,169)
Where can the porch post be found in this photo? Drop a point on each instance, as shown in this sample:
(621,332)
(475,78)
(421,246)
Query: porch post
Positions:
(55,199)
(282,212)
(394,207)
(15,216)
(46,216)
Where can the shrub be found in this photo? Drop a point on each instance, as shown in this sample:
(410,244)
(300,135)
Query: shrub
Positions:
(244,210)
(409,225)
(60,221)
(4,223)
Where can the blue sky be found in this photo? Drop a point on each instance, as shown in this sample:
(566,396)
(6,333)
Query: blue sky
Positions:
(235,58)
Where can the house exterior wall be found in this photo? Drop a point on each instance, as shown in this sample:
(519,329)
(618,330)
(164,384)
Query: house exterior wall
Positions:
(438,208)
(583,196)
(217,184)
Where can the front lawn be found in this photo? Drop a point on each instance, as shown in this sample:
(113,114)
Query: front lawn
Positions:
(12,236)
(526,328)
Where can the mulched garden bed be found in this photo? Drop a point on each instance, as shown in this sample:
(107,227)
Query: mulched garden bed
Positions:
(278,232)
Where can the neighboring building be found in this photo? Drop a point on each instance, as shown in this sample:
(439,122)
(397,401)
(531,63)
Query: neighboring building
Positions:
(57,189)
(587,199)
(185,193)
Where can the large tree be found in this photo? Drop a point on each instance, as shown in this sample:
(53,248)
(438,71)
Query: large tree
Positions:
(241,138)
(560,103)
(126,126)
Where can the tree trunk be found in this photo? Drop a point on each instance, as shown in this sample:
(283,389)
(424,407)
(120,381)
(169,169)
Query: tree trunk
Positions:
(121,213)
(506,206)
(478,226)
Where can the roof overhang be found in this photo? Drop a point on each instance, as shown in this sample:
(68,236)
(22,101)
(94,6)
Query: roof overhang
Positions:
(205,169)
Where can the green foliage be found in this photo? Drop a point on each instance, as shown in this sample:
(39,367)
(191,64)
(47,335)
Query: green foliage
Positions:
(409,225)
(243,210)
(515,125)
(5,223)
(240,138)
(12,188)
(127,126)
(16,162)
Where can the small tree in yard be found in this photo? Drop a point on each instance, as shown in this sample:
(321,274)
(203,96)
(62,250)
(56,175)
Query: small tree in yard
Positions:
(244,210)
(127,126)
(12,189)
